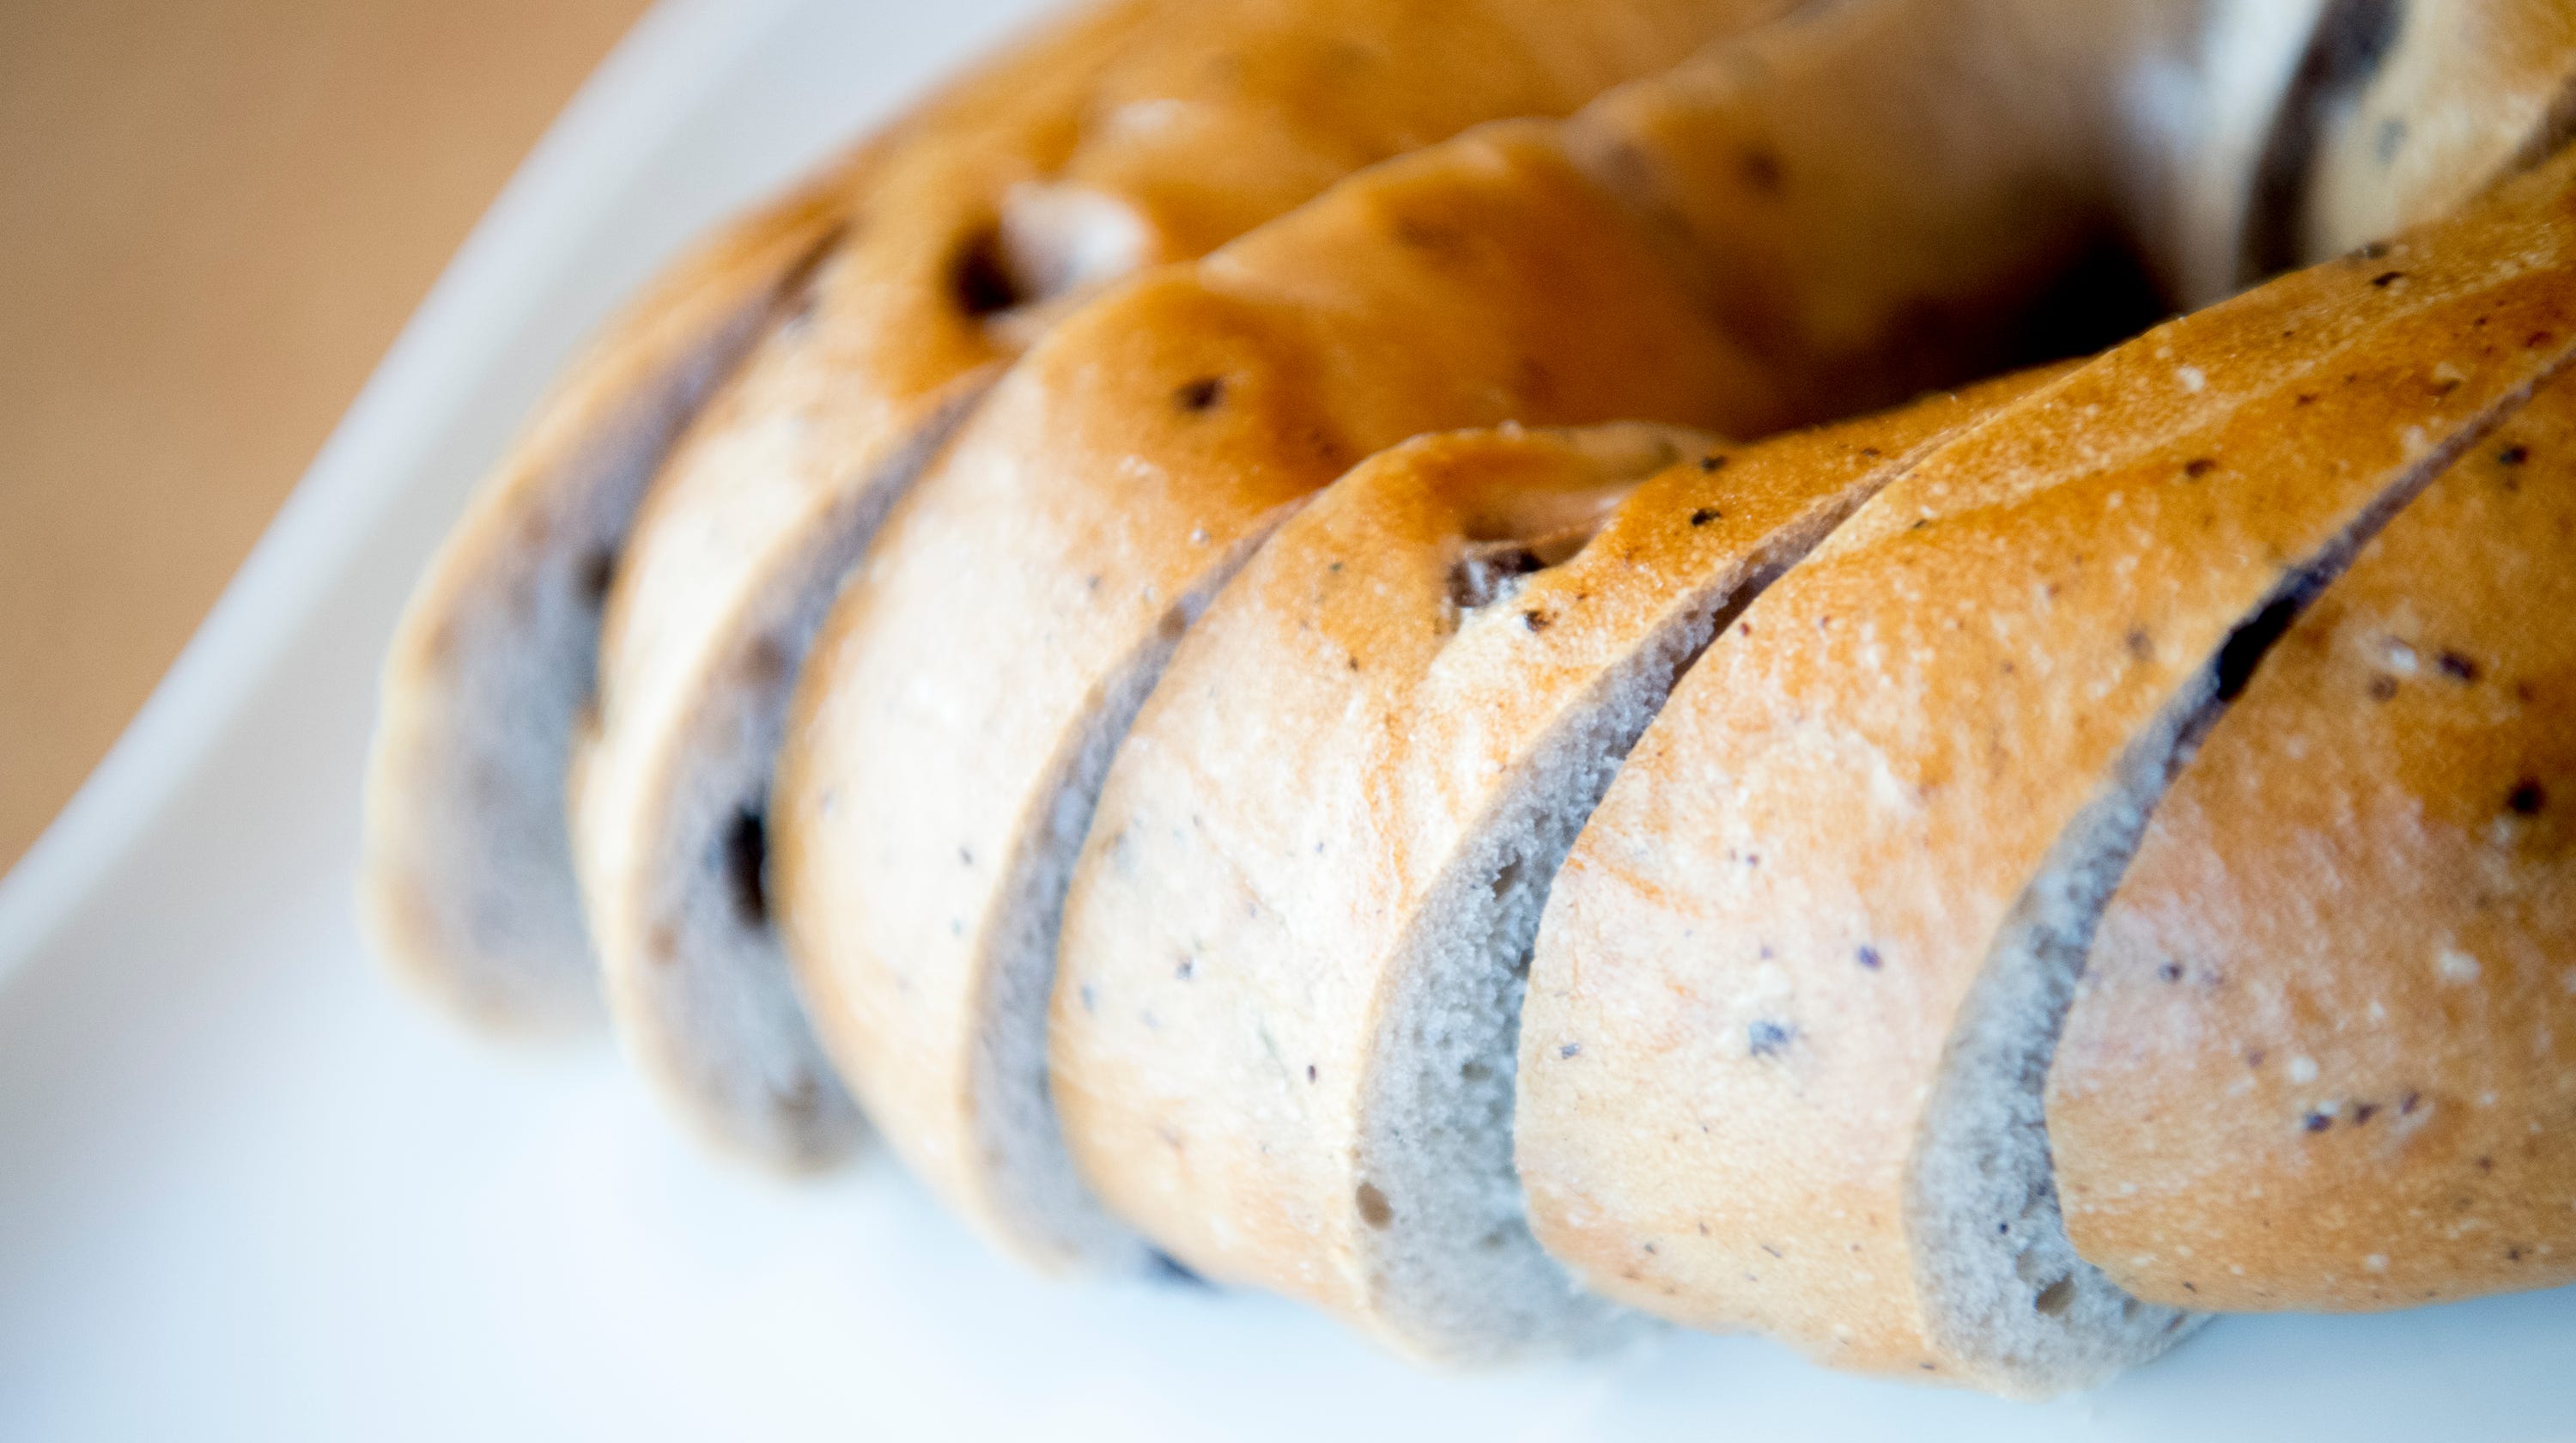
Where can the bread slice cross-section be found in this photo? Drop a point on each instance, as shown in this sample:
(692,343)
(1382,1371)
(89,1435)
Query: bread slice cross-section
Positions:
(2438,100)
(1795,996)
(465,872)
(2324,1055)
(1289,976)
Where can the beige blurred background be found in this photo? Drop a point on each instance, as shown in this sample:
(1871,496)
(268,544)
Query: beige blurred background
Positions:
(214,217)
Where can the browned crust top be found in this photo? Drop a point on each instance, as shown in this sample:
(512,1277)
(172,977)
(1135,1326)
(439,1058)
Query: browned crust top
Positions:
(2324,1055)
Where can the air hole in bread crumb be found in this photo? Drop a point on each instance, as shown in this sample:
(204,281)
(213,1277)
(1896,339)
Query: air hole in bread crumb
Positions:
(978,280)
(747,865)
(1489,571)
(2055,1299)
(2247,644)
(598,569)
(1374,1210)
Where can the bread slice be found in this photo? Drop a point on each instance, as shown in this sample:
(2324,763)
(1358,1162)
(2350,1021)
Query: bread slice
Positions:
(1821,219)
(2447,98)
(2324,1055)
(1156,141)
(465,881)
(1796,991)
(1288,980)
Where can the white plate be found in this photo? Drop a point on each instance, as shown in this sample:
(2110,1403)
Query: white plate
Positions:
(248,1190)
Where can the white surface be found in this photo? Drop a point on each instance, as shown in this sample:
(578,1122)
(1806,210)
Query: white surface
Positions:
(249,1191)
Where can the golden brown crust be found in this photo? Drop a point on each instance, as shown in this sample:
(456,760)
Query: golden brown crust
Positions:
(1467,289)
(2324,1055)
(1753,961)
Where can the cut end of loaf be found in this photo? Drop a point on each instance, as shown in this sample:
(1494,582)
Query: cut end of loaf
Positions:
(467,876)
(671,793)
(466,879)
(1041,1209)
(699,985)
(2006,1293)
(2008,1301)
(1462,1279)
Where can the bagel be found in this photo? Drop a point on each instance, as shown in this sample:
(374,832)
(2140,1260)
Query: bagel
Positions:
(1282,1036)
(1680,251)
(1794,997)
(1996,881)
(1178,128)
(2324,1053)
